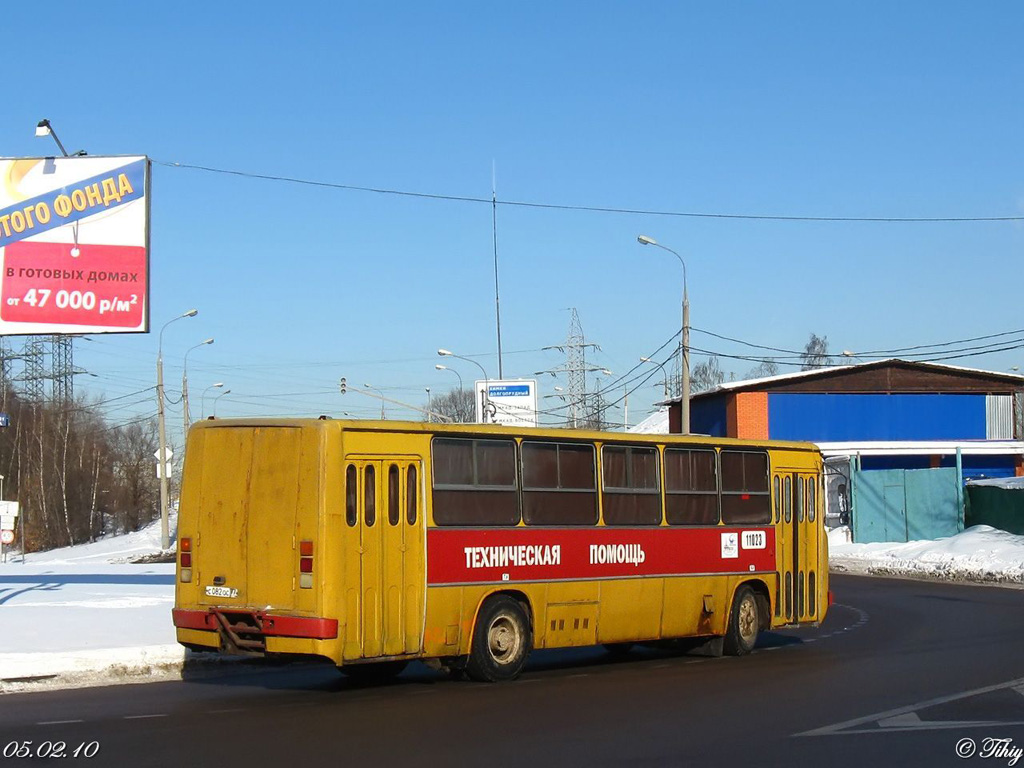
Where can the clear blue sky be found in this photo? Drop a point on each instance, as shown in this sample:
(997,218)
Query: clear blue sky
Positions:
(909,109)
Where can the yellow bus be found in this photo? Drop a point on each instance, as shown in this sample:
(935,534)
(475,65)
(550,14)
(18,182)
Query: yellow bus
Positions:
(467,546)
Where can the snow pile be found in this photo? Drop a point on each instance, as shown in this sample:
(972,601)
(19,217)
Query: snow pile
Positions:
(980,554)
(1009,483)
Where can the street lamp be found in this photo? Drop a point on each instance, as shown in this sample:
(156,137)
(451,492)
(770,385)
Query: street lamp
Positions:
(485,405)
(382,416)
(663,371)
(202,400)
(446,368)
(184,384)
(218,397)
(162,461)
(684,339)
(45,129)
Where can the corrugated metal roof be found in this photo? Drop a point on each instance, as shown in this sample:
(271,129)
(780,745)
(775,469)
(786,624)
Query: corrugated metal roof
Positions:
(730,386)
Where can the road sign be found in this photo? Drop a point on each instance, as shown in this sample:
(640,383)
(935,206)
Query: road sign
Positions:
(8,522)
(6,536)
(167,468)
(9,508)
(168,454)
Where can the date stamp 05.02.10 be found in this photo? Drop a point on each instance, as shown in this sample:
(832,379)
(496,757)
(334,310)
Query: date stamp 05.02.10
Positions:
(44,749)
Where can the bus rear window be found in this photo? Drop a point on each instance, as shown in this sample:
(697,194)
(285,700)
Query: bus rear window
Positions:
(474,482)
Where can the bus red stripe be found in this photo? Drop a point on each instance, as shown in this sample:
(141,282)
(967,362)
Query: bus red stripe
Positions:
(461,556)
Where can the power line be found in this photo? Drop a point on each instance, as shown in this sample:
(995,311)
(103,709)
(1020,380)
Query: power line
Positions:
(591,208)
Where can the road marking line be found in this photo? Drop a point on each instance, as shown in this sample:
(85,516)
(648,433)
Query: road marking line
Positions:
(850,726)
(59,722)
(142,717)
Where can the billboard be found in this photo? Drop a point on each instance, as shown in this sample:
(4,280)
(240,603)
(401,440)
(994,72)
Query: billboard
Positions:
(512,403)
(74,245)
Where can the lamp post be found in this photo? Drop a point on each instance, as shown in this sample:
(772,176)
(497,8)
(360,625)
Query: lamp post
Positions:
(382,416)
(162,460)
(218,397)
(446,368)
(202,400)
(485,404)
(684,339)
(184,384)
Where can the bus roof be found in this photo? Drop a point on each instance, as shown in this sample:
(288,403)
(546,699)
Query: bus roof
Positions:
(552,433)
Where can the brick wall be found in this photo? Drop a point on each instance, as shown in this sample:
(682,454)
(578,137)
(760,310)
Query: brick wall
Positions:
(751,415)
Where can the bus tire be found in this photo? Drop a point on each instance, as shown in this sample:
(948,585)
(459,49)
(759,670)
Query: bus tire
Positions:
(501,641)
(744,623)
(375,672)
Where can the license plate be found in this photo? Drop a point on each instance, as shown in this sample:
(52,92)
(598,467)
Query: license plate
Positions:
(222,592)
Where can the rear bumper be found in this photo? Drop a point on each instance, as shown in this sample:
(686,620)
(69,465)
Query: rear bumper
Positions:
(270,625)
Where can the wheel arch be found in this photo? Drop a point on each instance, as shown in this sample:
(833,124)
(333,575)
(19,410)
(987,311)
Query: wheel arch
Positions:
(517,595)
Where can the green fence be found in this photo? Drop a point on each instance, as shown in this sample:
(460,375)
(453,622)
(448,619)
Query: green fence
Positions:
(1001,508)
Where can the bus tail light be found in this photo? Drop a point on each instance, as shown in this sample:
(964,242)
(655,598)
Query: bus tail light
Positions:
(306,564)
(185,553)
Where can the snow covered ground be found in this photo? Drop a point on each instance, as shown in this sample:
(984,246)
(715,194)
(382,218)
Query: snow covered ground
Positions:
(979,554)
(85,616)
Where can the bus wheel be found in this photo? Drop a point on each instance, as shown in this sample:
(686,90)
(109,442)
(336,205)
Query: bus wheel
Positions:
(377,672)
(501,641)
(744,623)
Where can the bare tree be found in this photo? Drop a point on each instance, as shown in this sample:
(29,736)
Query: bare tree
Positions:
(458,405)
(815,354)
(764,369)
(707,375)
(135,501)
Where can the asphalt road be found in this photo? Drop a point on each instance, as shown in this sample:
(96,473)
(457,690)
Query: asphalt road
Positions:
(900,673)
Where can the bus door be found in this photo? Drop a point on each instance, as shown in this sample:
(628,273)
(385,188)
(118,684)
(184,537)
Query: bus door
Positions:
(798,530)
(391,577)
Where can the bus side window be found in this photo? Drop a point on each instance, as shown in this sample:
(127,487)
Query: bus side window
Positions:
(810,498)
(632,488)
(394,513)
(691,487)
(746,498)
(410,495)
(370,498)
(559,483)
(351,491)
(474,481)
